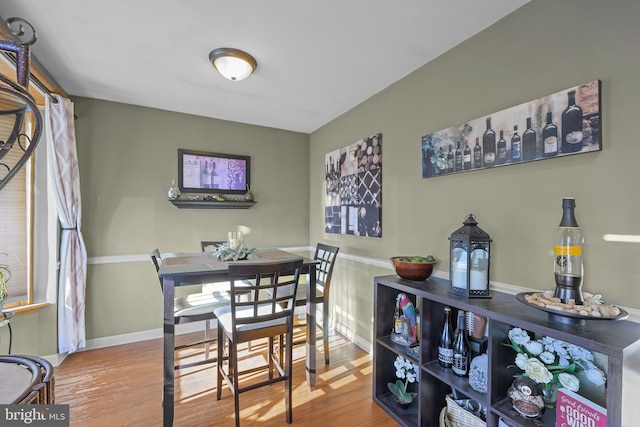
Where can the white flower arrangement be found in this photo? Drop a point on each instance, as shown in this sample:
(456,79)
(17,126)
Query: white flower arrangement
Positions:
(550,361)
(407,371)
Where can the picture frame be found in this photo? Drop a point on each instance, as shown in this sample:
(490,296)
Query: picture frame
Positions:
(209,172)
(556,125)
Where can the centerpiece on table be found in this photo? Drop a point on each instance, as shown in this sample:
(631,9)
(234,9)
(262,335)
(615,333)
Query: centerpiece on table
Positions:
(235,253)
(551,363)
(407,371)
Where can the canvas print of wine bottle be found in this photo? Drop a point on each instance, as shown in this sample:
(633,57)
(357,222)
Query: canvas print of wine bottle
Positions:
(563,123)
(353,180)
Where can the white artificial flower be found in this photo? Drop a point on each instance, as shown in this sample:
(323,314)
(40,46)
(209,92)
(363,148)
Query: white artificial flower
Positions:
(569,381)
(547,358)
(519,336)
(411,377)
(399,362)
(595,375)
(521,360)
(533,347)
(400,373)
(537,371)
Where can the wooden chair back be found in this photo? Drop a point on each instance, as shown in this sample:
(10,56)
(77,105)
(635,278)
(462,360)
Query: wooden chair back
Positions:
(273,288)
(326,255)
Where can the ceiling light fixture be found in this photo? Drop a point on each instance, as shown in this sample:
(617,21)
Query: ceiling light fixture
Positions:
(234,64)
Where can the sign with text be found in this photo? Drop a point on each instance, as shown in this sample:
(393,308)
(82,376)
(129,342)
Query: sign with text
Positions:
(573,410)
(34,415)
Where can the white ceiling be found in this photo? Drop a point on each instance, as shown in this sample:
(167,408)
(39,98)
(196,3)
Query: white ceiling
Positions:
(316,59)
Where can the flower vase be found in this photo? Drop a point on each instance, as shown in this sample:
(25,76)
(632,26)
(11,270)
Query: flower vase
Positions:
(402,404)
(549,393)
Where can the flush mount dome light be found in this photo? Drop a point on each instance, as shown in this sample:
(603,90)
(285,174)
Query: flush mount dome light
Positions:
(233,64)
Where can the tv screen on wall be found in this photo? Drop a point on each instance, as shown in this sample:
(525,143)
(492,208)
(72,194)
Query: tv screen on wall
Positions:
(205,172)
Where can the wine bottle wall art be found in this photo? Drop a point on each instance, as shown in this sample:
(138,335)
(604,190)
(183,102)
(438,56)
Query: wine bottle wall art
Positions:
(556,125)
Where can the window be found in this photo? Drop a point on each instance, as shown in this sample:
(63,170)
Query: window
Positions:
(16,216)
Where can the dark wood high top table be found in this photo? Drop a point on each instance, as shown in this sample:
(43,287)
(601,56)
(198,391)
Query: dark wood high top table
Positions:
(192,268)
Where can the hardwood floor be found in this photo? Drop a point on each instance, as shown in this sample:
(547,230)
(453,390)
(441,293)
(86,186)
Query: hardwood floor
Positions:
(122,386)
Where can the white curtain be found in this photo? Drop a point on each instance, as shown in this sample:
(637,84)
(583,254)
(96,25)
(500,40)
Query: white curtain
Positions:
(65,180)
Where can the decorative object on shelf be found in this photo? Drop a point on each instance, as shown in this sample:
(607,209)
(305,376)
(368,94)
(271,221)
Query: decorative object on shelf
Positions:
(459,416)
(174,192)
(21,116)
(575,410)
(407,371)
(353,180)
(5,275)
(478,373)
(552,363)
(404,326)
(576,110)
(593,308)
(248,196)
(567,250)
(414,267)
(476,325)
(226,253)
(470,255)
(526,398)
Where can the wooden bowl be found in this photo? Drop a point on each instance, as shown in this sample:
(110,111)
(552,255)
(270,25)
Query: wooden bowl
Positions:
(412,270)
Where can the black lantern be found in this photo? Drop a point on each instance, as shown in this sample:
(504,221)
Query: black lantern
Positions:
(469,257)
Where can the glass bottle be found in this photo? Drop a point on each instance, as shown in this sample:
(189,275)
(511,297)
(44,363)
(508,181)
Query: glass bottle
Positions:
(450,157)
(397,319)
(550,138)
(477,155)
(466,158)
(460,348)
(516,145)
(502,149)
(568,266)
(458,158)
(572,134)
(205,178)
(489,145)
(445,347)
(529,142)
(442,162)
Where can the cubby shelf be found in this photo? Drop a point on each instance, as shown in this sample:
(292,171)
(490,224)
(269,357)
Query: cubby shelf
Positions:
(617,344)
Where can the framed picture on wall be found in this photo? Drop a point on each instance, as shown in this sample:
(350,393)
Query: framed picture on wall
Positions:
(560,124)
(353,180)
(206,172)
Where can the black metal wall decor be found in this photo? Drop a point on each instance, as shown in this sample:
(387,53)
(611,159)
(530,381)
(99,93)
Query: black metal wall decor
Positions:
(556,125)
(353,180)
(17,106)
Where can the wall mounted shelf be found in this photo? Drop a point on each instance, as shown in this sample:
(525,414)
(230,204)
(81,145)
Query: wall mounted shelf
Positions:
(211,204)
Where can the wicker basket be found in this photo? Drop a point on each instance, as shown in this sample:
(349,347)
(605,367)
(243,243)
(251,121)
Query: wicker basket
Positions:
(457,416)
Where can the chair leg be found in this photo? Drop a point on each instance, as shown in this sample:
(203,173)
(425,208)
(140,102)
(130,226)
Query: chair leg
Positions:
(270,357)
(220,363)
(233,364)
(289,372)
(325,331)
(207,333)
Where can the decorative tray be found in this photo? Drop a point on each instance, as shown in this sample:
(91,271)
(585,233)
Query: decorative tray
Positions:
(565,317)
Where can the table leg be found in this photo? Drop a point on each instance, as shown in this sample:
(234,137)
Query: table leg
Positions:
(168,351)
(311,327)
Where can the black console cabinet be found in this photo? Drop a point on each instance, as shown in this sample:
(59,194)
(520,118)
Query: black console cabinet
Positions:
(615,342)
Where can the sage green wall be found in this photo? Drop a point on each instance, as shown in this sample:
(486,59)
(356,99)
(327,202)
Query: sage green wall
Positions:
(128,158)
(543,47)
